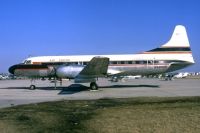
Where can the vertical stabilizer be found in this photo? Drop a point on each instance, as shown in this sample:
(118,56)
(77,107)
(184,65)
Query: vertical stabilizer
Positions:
(177,48)
(179,38)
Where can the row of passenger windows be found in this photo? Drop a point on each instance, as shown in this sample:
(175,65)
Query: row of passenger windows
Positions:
(137,62)
(111,62)
(124,62)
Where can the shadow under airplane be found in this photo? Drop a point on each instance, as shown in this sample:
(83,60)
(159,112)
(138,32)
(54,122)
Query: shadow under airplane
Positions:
(130,86)
(75,88)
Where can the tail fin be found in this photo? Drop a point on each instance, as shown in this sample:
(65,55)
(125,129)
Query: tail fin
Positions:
(178,46)
(179,38)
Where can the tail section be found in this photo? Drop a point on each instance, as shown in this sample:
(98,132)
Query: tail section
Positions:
(177,48)
(179,38)
(178,42)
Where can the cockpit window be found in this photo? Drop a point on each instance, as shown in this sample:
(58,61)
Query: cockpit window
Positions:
(27,62)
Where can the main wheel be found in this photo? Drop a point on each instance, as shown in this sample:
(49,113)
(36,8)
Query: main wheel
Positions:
(93,86)
(32,87)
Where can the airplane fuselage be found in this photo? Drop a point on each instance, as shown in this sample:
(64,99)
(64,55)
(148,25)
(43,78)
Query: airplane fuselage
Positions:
(131,64)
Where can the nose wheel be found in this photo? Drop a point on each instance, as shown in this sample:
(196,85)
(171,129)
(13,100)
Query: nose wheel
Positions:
(32,87)
(93,86)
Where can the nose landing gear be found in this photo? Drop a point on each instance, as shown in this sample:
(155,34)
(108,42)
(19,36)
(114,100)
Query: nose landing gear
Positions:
(32,87)
(93,86)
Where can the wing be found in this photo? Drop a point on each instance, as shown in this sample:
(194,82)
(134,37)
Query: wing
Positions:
(97,67)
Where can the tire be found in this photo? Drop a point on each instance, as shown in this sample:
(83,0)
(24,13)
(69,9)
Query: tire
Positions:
(32,87)
(93,86)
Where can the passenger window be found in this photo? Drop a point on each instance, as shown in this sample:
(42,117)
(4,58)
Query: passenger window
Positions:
(122,62)
(137,62)
(150,62)
(144,62)
(114,62)
(85,63)
(74,63)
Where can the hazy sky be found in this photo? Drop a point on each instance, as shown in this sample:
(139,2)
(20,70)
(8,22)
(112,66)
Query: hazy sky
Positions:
(73,27)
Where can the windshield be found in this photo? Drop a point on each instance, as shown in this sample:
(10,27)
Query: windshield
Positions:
(27,62)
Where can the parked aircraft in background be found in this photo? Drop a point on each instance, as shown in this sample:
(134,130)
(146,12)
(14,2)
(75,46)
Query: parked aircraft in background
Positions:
(124,78)
(174,55)
(181,75)
(2,77)
(132,77)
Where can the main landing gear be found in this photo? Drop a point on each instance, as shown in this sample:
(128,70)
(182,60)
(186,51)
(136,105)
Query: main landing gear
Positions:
(32,86)
(93,86)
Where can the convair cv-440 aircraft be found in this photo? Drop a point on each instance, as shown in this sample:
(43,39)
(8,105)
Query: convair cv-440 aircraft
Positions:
(174,55)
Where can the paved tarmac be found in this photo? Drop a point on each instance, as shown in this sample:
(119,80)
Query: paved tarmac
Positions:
(17,92)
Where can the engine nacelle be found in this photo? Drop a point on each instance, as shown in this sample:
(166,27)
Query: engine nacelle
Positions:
(69,71)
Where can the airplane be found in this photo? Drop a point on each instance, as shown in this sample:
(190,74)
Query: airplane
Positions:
(173,55)
(181,75)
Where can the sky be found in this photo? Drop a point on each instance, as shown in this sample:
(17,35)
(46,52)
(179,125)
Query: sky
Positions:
(78,27)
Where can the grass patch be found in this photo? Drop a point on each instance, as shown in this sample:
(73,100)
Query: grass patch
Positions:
(150,114)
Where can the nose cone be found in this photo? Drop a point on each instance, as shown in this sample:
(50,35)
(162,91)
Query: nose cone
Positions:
(11,69)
